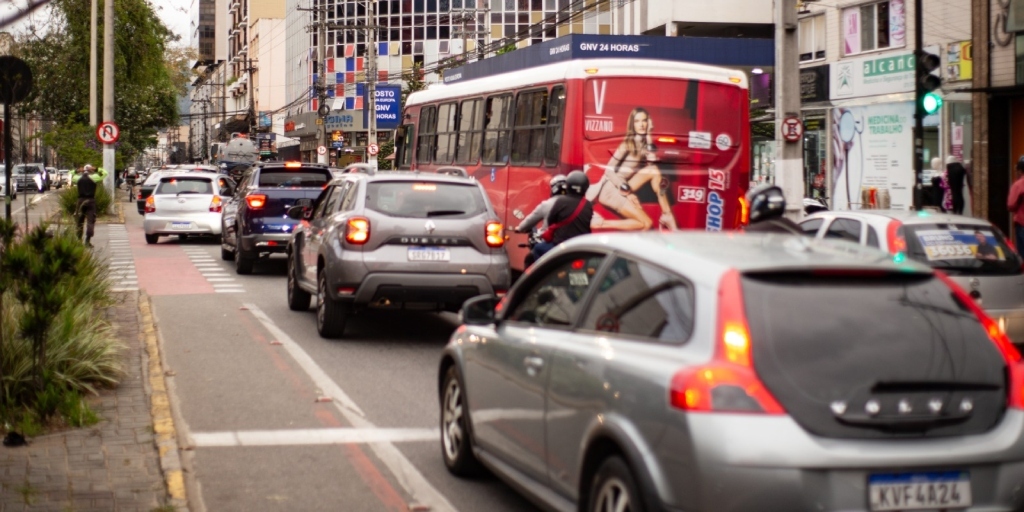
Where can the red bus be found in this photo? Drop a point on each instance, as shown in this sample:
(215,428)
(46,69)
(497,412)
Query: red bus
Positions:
(666,145)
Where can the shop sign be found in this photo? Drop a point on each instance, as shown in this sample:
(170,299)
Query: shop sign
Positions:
(344,120)
(873,162)
(813,125)
(388,105)
(267,143)
(872,76)
(814,83)
(959,61)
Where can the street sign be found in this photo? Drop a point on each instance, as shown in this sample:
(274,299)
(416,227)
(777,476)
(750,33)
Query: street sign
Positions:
(108,132)
(321,150)
(373,149)
(792,129)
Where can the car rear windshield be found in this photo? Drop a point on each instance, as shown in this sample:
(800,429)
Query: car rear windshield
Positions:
(961,248)
(285,178)
(421,200)
(819,339)
(184,186)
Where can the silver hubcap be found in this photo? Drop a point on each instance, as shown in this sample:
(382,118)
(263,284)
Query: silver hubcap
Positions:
(452,420)
(613,497)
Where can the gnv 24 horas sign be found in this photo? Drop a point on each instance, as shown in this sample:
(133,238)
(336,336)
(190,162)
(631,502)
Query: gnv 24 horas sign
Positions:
(388,105)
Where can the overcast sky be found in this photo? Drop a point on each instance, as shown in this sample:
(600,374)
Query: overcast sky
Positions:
(174,14)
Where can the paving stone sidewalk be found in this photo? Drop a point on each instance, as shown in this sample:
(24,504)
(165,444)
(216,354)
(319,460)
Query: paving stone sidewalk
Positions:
(111,466)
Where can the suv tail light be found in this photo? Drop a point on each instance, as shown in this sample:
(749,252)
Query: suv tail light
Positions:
(357,231)
(728,383)
(1014,363)
(744,211)
(150,205)
(492,230)
(216,205)
(895,237)
(256,201)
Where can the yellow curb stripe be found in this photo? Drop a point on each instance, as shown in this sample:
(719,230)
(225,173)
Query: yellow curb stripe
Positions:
(160,404)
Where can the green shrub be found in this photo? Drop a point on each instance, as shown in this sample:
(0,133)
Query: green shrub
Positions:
(69,200)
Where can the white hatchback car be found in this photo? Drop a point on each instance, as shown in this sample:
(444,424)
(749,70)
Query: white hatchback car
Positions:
(186,203)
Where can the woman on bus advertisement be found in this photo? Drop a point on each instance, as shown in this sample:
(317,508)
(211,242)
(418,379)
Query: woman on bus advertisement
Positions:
(633,165)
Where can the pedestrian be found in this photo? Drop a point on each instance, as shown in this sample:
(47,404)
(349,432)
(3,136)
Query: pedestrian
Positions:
(86,210)
(956,174)
(1014,203)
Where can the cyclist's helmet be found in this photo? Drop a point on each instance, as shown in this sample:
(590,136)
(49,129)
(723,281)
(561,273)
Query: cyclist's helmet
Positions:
(557,185)
(577,183)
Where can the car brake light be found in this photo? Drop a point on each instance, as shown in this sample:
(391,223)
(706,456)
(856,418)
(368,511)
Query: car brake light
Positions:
(256,200)
(150,205)
(894,234)
(744,211)
(493,232)
(292,165)
(1010,353)
(728,383)
(357,231)
(216,205)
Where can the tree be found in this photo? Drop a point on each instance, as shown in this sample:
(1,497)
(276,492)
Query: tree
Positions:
(508,48)
(386,150)
(75,143)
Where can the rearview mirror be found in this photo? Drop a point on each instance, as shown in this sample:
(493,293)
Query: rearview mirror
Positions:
(299,212)
(479,310)
(305,201)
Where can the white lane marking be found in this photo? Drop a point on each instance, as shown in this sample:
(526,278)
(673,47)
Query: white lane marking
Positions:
(410,478)
(219,279)
(229,291)
(300,437)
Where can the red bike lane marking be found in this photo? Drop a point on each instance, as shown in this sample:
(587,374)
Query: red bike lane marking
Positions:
(164,268)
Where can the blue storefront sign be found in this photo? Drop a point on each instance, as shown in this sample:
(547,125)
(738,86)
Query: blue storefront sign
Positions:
(388,105)
(719,51)
(265,120)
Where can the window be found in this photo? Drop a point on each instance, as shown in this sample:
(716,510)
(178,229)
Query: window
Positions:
(422,200)
(426,144)
(874,26)
(528,133)
(471,123)
(322,202)
(496,129)
(635,299)
(811,35)
(873,238)
(553,138)
(405,143)
(447,125)
(844,229)
(1019,59)
(284,178)
(557,295)
(811,227)
(348,196)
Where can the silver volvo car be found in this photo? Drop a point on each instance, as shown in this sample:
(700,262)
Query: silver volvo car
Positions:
(731,372)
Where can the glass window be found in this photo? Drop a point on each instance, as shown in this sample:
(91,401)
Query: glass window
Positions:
(553,137)
(406,145)
(284,178)
(470,131)
(1019,59)
(425,199)
(184,186)
(447,132)
(321,202)
(811,227)
(528,133)
(496,129)
(873,238)
(844,229)
(557,295)
(811,36)
(869,27)
(635,299)
(332,202)
(426,144)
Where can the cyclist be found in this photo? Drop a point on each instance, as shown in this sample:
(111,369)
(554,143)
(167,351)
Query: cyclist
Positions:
(130,176)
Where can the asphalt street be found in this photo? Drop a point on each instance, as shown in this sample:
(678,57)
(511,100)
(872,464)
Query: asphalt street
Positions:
(273,417)
(35,206)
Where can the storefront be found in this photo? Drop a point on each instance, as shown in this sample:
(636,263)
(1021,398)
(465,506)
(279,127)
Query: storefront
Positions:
(304,128)
(815,106)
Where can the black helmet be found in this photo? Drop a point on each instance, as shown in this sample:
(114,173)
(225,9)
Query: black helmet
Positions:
(557,185)
(577,183)
(766,202)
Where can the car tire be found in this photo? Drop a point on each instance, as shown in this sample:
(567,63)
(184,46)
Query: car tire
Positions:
(226,255)
(298,299)
(152,239)
(243,264)
(614,488)
(456,446)
(331,315)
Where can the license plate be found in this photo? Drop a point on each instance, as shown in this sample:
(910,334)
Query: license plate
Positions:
(920,491)
(429,254)
(181,225)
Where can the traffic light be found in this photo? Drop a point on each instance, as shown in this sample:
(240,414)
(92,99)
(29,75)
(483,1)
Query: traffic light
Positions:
(929,79)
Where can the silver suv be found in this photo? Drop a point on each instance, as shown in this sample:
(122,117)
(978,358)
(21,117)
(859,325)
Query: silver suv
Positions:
(393,240)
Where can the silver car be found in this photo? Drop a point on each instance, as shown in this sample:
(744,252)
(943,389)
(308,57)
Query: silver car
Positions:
(394,240)
(185,204)
(972,251)
(730,372)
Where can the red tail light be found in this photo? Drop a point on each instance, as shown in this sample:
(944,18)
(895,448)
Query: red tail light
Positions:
(150,205)
(216,205)
(357,231)
(895,237)
(1014,362)
(744,211)
(728,383)
(493,233)
(256,201)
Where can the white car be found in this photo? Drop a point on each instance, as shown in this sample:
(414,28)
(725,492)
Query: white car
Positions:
(186,203)
(3,185)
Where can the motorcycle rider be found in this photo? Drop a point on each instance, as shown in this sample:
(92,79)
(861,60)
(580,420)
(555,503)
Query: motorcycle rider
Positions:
(570,215)
(767,211)
(539,215)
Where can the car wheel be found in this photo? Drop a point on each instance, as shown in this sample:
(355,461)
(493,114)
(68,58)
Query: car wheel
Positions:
(152,239)
(226,255)
(455,442)
(331,315)
(614,488)
(243,264)
(298,299)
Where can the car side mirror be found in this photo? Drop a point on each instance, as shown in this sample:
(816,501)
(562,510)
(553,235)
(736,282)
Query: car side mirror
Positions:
(304,202)
(479,310)
(299,212)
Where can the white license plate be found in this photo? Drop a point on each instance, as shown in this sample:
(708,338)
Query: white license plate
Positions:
(429,254)
(920,491)
(181,225)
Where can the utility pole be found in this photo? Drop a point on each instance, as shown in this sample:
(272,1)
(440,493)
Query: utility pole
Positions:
(206,149)
(463,18)
(918,113)
(788,155)
(371,79)
(93,41)
(320,26)
(109,160)
(252,102)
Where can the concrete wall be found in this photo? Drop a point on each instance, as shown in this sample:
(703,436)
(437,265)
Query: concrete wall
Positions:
(259,9)
(272,57)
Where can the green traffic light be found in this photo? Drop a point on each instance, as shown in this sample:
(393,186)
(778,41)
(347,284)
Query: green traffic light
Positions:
(931,103)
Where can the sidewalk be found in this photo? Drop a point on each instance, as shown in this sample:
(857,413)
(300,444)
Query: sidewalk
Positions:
(115,464)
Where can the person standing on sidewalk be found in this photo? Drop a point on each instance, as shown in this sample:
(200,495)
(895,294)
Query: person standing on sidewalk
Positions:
(1015,202)
(86,210)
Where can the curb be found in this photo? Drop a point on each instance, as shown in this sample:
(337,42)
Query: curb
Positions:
(160,410)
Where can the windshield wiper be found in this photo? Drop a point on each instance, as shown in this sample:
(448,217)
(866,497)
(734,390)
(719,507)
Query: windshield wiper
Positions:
(436,213)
